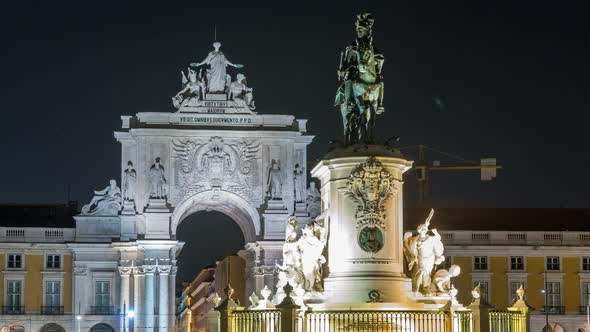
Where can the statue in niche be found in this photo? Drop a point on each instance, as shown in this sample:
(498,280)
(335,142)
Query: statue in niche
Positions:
(313,200)
(104,202)
(129,182)
(157,180)
(299,183)
(360,94)
(423,252)
(240,92)
(216,74)
(275,182)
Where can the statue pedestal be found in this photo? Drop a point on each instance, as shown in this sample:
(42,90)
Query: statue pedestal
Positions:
(157,219)
(352,272)
(275,219)
(97,228)
(128,208)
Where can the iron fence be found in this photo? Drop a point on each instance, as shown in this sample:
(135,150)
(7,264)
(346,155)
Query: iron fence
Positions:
(507,321)
(12,310)
(52,310)
(375,321)
(256,321)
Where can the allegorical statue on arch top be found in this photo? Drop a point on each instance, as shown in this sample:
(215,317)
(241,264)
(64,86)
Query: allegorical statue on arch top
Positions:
(360,94)
(208,80)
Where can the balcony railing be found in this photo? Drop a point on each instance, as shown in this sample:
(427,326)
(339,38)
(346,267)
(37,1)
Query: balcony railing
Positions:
(583,310)
(12,310)
(102,310)
(52,310)
(554,309)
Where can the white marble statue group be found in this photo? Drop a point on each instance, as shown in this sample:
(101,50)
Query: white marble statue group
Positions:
(303,261)
(423,253)
(110,200)
(214,80)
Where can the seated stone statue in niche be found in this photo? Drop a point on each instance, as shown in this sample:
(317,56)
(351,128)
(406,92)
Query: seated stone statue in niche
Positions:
(104,202)
(157,180)
(275,182)
(313,200)
(241,93)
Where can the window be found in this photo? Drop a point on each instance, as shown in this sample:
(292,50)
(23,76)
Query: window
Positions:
(517,263)
(15,261)
(553,263)
(53,262)
(483,288)
(480,263)
(102,294)
(586,263)
(13,293)
(553,294)
(585,293)
(52,294)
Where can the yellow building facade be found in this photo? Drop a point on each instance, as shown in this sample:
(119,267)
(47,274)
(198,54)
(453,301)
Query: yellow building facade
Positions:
(501,249)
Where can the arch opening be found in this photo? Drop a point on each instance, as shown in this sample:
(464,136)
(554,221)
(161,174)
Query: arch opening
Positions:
(52,327)
(209,236)
(102,327)
(230,204)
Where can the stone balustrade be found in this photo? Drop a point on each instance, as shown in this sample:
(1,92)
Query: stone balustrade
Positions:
(36,234)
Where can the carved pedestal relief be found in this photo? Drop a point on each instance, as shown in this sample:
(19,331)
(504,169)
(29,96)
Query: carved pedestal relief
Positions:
(370,186)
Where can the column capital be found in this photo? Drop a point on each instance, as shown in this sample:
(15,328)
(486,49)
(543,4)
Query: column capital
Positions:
(149,269)
(164,269)
(81,270)
(173,270)
(125,270)
(138,271)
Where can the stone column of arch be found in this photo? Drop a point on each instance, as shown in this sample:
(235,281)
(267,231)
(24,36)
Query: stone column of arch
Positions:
(163,298)
(148,302)
(138,287)
(124,300)
(172,297)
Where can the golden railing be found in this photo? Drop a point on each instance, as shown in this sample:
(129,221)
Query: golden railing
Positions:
(374,321)
(507,321)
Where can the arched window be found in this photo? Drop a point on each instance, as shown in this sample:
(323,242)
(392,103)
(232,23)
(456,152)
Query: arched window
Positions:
(52,327)
(17,328)
(102,328)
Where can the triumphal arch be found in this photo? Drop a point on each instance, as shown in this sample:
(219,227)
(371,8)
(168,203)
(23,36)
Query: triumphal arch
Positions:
(215,151)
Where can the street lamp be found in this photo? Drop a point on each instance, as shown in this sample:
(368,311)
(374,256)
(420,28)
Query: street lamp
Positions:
(126,314)
(78,320)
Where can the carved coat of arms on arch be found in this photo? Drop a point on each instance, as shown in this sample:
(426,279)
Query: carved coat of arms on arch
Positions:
(217,165)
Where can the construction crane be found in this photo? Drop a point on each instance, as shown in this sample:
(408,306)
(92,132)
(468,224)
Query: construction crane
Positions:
(422,168)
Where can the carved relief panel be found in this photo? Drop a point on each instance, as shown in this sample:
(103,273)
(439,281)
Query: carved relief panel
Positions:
(216,164)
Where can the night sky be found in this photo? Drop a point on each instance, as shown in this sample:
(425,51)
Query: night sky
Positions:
(513,79)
